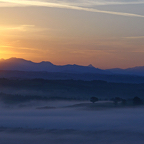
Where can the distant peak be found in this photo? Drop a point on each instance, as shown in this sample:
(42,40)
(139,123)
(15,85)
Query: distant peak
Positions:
(90,65)
(46,62)
(14,59)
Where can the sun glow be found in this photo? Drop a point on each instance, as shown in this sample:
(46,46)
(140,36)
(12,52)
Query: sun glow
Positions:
(6,49)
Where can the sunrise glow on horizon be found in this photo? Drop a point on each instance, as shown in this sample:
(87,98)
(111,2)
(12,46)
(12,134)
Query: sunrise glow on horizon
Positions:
(104,33)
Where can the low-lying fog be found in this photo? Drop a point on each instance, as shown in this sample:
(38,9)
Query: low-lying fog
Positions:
(71,122)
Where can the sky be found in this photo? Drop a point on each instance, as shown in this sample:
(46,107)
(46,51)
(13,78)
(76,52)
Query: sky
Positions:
(104,33)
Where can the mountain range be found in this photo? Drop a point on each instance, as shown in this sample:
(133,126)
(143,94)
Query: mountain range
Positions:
(19,64)
(24,65)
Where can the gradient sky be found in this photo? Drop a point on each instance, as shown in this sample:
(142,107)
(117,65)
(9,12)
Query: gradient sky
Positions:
(104,33)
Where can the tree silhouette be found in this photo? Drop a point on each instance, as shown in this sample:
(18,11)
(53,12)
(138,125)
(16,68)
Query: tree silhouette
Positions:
(137,101)
(123,101)
(116,100)
(93,99)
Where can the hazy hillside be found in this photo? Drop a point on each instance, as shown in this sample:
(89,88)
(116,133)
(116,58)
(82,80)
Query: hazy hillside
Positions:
(39,89)
(129,71)
(67,76)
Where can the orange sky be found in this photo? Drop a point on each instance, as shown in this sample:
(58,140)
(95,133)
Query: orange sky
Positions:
(73,34)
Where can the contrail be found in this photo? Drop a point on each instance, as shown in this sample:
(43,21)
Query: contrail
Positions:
(66,6)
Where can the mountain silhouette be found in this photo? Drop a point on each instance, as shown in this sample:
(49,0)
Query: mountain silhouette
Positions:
(139,70)
(20,64)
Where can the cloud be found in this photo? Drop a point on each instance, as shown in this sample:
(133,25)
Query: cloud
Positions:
(98,2)
(136,37)
(67,5)
(25,28)
(73,2)
(18,28)
(6,4)
(5,46)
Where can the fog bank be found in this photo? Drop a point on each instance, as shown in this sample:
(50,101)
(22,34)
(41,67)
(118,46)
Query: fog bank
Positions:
(64,124)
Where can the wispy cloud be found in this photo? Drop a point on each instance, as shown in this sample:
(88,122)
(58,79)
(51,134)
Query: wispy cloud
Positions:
(67,5)
(25,28)
(5,46)
(18,28)
(8,47)
(98,2)
(136,37)
(29,49)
